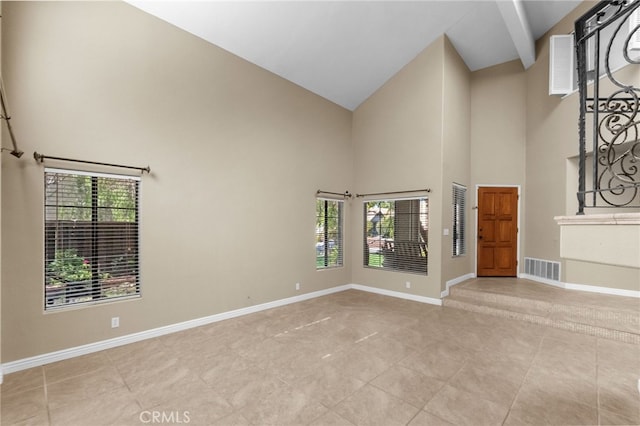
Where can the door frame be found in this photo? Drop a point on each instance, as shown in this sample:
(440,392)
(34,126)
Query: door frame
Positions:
(475,225)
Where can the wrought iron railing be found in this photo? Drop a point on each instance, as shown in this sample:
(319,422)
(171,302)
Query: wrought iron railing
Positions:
(607,40)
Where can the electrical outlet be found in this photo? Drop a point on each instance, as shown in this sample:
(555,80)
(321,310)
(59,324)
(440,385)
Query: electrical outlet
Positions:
(407,284)
(297,286)
(115,322)
(445,231)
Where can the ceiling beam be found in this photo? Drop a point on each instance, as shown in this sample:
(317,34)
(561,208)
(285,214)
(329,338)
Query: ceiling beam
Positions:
(515,18)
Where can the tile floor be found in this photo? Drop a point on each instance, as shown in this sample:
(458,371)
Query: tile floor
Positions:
(600,315)
(351,358)
(542,292)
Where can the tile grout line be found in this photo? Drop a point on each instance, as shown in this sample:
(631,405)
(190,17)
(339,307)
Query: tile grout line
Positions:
(536,350)
(133,394)
(446,383)
(524,379)
(397,363)
(46,395)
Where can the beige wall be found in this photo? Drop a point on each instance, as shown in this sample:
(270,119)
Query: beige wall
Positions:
(551,185)
(237,155)
(615,245)
(601,275)
(552,137)
(397,134)
(414,133)
(2,139)
(522,136)
(601,249)
(227,214)
(498,135)
(456,158)
(499,123)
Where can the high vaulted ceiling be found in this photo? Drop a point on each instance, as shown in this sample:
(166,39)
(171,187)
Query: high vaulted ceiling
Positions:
(345,50)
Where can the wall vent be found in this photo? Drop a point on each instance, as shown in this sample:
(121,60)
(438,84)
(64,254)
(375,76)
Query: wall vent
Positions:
(561,65)
(540,268)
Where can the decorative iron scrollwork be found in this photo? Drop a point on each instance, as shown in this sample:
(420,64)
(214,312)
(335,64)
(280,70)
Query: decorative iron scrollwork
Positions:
(614,105)
(615,118)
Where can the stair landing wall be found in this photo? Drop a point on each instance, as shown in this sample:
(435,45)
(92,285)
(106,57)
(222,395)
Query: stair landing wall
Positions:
(601,250)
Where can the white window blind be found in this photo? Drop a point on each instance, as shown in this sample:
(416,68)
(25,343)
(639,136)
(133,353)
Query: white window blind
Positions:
(396,235)
(329,241)
(459,219)
(634,30)
(91,237)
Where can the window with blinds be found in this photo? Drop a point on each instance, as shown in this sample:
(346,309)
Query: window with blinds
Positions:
(91,235)
(329,247)
(459,219)
(396,235)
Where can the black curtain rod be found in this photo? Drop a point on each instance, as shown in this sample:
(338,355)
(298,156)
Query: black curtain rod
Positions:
(393,193)
(42,157)
(4,114)
(344,194)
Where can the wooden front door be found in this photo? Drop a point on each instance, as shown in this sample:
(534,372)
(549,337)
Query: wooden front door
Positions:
(497,232)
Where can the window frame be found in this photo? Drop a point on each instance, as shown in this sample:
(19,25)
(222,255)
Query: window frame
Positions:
(459,220)
(323,232)
(404,254)
(97,288)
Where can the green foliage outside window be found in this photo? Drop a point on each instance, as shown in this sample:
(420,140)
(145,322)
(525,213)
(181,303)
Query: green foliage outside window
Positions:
(116,198)
(68,267)
(328,233)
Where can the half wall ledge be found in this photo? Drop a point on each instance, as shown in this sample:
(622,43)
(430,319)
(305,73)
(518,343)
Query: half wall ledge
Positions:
(604,249)
(600,219)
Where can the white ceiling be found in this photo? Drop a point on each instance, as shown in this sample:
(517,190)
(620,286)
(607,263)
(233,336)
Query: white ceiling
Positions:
(345,50)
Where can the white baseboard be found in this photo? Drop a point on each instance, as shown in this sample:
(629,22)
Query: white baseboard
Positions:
(603,290)
(38,360)
(455,281)
(541,280)
(398,294)
(583,287)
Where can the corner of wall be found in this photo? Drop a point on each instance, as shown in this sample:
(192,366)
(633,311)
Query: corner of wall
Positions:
(1,3)
(403,119)
(456,155)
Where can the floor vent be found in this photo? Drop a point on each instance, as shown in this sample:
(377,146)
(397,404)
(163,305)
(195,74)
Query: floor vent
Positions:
(542,268)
